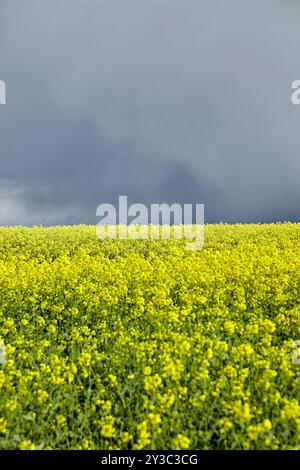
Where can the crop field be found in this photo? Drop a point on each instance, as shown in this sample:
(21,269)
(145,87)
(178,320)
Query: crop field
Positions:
(142,344)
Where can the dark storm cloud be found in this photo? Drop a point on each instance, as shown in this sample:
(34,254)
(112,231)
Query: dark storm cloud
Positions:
(165,101)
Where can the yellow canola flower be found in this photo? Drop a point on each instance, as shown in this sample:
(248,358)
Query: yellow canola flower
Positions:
(27,445)
(3,425)
(182,442)
(142,344)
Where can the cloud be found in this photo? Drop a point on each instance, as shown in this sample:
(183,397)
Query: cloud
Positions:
(174,100)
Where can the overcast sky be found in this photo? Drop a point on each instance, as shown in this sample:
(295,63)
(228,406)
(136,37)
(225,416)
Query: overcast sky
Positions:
(184,101)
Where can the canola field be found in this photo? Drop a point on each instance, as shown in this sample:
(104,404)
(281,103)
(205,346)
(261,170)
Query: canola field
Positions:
(142,344)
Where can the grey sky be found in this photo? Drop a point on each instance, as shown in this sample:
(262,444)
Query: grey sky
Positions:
(162,100)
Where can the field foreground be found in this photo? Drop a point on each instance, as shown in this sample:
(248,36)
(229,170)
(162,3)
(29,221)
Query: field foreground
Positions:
(143,344)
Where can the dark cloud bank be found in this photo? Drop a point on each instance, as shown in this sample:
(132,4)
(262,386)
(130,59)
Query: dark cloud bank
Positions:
(162,100)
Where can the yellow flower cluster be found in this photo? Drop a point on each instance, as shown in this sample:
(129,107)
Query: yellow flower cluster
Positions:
(142,344)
